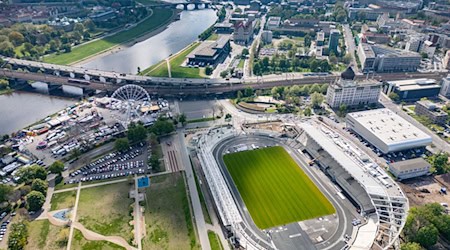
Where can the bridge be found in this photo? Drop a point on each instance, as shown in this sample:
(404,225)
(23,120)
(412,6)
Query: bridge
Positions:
(109,81)
(195,3)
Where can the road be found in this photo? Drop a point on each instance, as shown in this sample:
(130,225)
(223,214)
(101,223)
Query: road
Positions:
(350,44)
(196,205)
(437,141)
(74,217)
(256,41)
(137,214)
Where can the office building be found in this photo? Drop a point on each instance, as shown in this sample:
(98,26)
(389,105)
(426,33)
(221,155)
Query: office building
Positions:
(387,131)
(320,38)
(267,36)
(346,91)
(333,42)
(445,86)
(380,58)
(409,168)
(273,22)
(413,89)
(431,111)
(243,32)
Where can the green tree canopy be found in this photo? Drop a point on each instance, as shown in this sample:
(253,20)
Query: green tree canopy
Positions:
(122,144)
(162,127)
(410,246)
(40,186)
(5,191)
(28,174)
(56,168)
(136,133)
(35,200)
(316,99)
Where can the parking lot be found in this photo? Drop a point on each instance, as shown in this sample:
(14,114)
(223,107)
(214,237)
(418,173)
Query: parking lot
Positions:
(113,165)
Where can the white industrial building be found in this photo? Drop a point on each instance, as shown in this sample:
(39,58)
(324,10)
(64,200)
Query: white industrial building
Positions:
(347,91)
(386,130)
(409,168)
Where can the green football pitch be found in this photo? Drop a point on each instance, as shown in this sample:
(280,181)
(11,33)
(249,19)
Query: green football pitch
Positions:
(274,188)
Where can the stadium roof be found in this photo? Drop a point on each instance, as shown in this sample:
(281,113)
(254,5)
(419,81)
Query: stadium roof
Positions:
(388,127)
(340,151)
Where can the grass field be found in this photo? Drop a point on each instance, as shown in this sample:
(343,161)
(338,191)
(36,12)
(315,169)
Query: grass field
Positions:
(80,243)
(43,235)
(156,20)
(63,200)
(214,241)
(167,215)
(274,188)
(105,209)
(161,70)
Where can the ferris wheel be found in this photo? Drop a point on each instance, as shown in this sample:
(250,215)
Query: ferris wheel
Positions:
(131,102)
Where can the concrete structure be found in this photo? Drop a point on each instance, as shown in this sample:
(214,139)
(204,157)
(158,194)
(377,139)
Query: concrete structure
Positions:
(413,89)
(386,130)
(209,53)
(363,13)
(320,38)
(366,183)
(431,111)
(333,42)
(410,168)
(445,89)
(384,59)
(243,32)
(223,28)
(267,36)
(347,91)
(428,48)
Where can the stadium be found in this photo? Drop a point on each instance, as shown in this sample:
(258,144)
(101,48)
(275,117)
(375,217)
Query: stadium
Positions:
(301,189)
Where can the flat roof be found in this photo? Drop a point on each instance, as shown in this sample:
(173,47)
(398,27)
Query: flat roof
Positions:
(388,127)
(410,164)
(340,150)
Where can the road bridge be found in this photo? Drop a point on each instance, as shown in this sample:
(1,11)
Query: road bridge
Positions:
(196,3)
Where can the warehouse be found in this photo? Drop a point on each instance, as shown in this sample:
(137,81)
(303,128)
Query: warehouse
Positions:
(410,168)
(386,130)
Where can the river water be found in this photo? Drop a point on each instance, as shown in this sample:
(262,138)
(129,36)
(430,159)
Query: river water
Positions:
(21,109)
(178,35)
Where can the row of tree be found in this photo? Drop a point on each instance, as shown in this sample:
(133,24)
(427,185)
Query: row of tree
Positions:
(281,63)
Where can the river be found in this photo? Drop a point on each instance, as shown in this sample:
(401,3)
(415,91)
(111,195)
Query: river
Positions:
(178,35)
(21,109)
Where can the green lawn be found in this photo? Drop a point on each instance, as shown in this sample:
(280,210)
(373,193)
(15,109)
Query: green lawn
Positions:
(80,243)
(157,19)
(106,209)
(213,37)
(214,241)
(167,215)
(160,70)
(206,119)
(274,188)
(43,235)
(63,200)
(241,64)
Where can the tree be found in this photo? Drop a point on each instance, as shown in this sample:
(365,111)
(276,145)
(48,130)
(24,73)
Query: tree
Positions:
(307,111)
(90,25)
(208,70)
(78,27)
(307,41)
(342,110)
(244,53)
(316,99)
(439,162)
(40,186)
(30,173)
(410,246)
(18,235)
(162,127)
(427,236)
(56,168)
(239,95)
(314,88)
(182,119)
(5,191)
(227,116)
(136,133)
(122,144)
(16,38)
(248,92)
(394,96)
(35,200)
(154,162)
(7,48)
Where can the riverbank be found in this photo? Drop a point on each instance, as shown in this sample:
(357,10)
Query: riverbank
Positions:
(152,25)
(173,64)
(6,91)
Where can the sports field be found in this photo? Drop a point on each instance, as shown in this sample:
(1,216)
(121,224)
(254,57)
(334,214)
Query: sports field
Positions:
(274,188)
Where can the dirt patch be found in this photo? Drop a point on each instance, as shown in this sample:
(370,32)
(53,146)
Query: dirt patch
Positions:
(424,190)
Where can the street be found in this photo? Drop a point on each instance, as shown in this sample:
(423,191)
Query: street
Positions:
(350,44)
